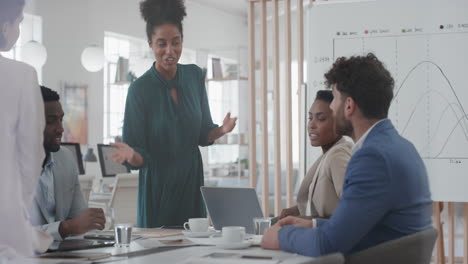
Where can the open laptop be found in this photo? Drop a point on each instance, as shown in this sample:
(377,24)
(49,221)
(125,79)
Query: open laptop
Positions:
(232,206)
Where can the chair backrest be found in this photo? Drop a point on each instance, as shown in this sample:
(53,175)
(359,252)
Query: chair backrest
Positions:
(124,198)
(335,258)
(413,249)
(86,184)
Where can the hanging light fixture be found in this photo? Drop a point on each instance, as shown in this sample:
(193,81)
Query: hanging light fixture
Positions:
(92,58)
(34,54)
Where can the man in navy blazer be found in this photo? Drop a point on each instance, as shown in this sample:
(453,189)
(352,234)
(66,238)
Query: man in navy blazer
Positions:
(386,190)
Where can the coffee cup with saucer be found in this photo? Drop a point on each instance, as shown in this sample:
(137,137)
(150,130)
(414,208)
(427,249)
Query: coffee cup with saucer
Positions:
(233,237)
(197,227)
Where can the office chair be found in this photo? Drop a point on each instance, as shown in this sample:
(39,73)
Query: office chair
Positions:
(413,249)
(335,258)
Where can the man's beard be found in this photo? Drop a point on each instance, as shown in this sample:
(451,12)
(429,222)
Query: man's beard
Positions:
(343,127)
(51,147)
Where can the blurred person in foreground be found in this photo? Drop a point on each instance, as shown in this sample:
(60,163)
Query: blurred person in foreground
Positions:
(21,152)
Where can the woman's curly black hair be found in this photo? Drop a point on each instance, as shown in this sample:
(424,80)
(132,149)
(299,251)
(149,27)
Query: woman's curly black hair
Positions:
(160,12)
(366,80)
(324,95)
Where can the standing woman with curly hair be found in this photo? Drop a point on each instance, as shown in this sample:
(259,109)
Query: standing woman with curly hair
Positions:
(167,117)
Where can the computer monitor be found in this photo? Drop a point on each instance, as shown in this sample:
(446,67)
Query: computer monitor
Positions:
(109,168)
(76,150)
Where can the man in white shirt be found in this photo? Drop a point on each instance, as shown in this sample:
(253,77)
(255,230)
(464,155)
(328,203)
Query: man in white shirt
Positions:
(60,208)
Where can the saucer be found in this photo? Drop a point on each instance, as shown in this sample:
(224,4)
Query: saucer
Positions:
(241,245)
(188,233)
(256,240)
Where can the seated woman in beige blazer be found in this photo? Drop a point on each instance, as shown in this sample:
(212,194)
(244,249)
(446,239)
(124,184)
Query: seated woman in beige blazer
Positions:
(321,189)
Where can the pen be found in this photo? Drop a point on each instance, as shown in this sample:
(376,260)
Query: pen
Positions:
(173,242)
(256,257)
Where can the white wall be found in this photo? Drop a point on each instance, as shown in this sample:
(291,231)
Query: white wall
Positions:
(69,26)
(30,6)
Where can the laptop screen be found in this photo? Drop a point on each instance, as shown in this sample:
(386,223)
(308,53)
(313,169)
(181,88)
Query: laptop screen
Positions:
(232,206)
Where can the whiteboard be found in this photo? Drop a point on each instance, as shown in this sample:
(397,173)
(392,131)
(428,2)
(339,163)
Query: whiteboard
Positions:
(424,44)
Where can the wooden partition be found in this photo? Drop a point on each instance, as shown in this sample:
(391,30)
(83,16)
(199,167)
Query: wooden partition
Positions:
(277,112)
(264,112)
(440,255)
(263,19)
(252,117)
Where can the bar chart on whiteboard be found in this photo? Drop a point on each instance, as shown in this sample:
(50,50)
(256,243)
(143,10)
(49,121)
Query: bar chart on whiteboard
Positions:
(429,63)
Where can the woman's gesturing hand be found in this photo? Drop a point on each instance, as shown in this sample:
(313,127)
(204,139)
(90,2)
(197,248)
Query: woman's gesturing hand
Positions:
(229,123)
(123,153)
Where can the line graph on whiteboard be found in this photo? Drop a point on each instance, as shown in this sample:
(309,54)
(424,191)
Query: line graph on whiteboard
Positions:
(430,105)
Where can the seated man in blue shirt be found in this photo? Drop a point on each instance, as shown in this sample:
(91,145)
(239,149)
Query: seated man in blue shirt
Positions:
(386,191)
(59,206)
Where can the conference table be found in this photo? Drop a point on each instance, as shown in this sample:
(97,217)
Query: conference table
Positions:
(160,249)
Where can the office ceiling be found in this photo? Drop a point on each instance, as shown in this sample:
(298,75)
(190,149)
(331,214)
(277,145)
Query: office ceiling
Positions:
(235,7)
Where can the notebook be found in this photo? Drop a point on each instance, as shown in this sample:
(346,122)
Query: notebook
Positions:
(76,255)
(77,244)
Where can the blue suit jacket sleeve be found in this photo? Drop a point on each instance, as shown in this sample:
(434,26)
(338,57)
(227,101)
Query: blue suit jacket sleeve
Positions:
(366,199)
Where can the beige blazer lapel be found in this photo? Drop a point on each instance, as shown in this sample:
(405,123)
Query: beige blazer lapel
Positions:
(314,183)
(324,194)
(303,193)
(316,176)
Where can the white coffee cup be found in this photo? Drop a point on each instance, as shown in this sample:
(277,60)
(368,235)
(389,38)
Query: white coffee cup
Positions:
(233,234)
(196,225)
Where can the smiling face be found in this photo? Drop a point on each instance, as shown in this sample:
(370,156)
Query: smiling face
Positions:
(54,128)
(321,125)
(166,43)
